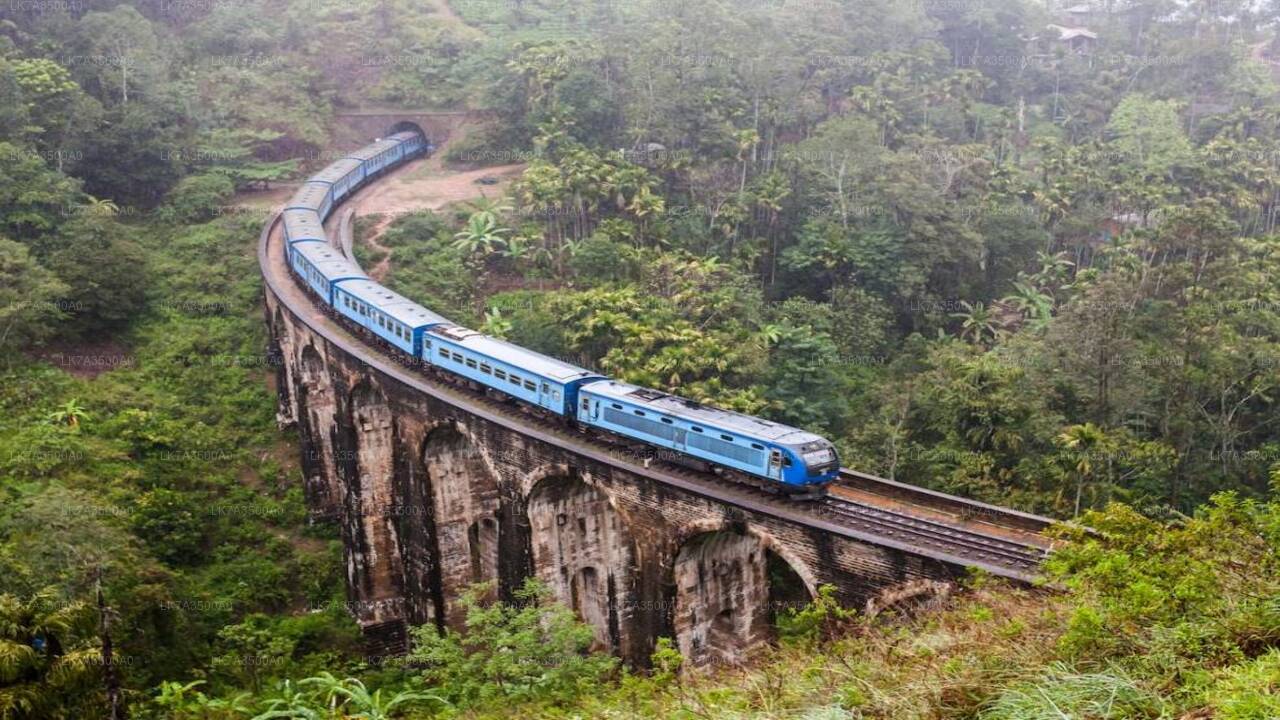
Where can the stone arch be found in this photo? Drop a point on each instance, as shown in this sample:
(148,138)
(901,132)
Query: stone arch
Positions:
(317,406)
(408,126)
(729,587)
(468,515)
(584,551)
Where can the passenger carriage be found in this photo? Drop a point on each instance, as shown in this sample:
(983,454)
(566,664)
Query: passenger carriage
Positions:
(315,196)
(301,226)
(342,177)
(377,157)
(523,374)
(388,315)
(322,267)
(697,434)
(740,442)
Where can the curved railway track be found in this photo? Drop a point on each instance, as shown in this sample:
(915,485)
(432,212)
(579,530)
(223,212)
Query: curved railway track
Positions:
(913,520)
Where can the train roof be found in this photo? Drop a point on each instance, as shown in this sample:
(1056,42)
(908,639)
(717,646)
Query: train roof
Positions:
(331,264)
(514,355)
(369,151)
(403,136)
(692,411)
(336,171)
(308,197)
(303,224)
(397,306)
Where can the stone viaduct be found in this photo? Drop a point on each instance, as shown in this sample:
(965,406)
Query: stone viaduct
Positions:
(436,488)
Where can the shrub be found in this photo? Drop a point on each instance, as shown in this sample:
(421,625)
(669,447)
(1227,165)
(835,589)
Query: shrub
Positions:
(531,650)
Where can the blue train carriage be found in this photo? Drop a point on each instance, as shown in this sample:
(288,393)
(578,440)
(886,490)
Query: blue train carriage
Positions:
(523,374)
(301,226)
(315,196)
(740,442)
(376,157)
(342,177)
(391,316)
(411,143)
(322,267)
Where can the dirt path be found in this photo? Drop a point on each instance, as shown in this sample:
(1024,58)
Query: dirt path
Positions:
(424,184)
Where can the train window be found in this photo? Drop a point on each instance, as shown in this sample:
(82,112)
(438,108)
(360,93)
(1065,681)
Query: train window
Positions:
(457,357)
(757,446)
(616,406)
(471,363)
(638,412)
(695,428)
(486,368)
(786,461)
(427,344)
(500,374)
(515,379)
(726,438)
(529,385)
(382,322)
(555,395)
(444,353)
(667,421)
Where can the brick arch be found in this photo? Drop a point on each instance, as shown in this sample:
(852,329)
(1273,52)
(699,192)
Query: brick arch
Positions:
(467,513)
(583,549)
(725,599)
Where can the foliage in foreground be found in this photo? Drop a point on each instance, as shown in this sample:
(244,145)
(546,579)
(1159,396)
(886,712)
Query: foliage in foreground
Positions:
(1132,630)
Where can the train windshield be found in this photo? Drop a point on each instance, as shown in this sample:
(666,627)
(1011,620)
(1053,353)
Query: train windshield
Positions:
(821,456)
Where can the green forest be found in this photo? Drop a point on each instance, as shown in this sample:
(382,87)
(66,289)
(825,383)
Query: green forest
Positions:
(980,250)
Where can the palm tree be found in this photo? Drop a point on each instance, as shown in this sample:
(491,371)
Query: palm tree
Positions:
(69,414)
(481,236)
(978,324)
(1035,306)
(1086,441)
(769,335)
(97,207)
(47,655)
(517,248)
(496,324)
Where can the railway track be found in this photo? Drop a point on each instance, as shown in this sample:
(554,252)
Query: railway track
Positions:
(910,519)
(951,539)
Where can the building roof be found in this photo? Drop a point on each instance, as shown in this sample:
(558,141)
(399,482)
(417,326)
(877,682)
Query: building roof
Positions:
(675,406)
(1071,33)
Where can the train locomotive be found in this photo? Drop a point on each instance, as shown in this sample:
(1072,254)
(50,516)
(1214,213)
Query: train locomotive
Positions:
(776,457)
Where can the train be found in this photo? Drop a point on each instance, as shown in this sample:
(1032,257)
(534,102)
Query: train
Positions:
(770,455)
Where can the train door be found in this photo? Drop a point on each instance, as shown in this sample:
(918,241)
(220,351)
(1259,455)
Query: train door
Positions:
(677,439)
(545,396)
(775,464)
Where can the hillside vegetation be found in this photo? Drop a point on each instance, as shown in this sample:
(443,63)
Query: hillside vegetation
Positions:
(979,257)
